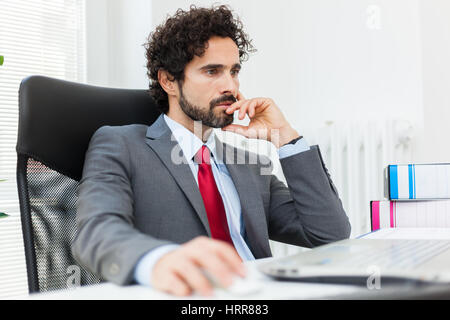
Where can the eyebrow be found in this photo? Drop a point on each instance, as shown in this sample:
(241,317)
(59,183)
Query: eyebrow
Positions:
(220,66)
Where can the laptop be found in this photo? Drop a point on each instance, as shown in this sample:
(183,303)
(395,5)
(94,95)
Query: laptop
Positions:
(366,261)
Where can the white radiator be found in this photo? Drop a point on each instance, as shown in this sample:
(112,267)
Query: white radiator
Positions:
(356,154)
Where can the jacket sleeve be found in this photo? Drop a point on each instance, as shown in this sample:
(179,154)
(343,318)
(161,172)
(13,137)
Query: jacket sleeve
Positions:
(107,243)
(308,212)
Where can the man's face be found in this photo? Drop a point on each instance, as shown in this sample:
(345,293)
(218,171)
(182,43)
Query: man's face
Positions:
(211,83)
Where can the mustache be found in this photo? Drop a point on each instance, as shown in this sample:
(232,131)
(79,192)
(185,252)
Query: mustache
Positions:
(222,99)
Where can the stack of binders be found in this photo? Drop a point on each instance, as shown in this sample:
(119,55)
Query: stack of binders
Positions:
(418,197)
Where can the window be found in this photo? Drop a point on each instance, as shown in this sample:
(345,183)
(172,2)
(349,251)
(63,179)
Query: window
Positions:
(45,37)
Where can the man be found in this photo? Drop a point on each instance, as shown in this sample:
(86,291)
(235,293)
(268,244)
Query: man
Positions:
(169,205)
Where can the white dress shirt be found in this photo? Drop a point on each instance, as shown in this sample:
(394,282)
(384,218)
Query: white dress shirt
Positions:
(190,145)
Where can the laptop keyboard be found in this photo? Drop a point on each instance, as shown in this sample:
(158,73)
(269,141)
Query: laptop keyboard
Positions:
(406,255)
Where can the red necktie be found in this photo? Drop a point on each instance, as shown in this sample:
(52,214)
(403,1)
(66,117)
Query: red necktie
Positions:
(212,199)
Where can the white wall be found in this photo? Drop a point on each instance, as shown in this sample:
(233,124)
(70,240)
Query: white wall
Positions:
(325,60)
(97,55)
(434,143)
(116,31)
(321,60)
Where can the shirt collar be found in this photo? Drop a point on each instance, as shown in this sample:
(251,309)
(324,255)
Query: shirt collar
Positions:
(190,143)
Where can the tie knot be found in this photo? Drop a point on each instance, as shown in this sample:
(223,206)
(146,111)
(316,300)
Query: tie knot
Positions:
(203,156)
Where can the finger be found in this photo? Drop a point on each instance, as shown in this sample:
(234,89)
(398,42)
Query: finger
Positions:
(238,104)
(192,275)
(172,284)
(236,128)
(220,247)
(252,109)
(235,106)
(246,108)
(216,266)
(243,105)
(243,109)
(230,256)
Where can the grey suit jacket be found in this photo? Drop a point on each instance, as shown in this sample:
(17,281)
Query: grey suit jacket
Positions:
(133,198)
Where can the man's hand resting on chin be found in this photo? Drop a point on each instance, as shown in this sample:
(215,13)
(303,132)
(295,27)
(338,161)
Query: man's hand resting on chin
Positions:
(266,121)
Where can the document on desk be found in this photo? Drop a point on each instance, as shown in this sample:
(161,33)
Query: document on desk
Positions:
(417,181)
(410,214)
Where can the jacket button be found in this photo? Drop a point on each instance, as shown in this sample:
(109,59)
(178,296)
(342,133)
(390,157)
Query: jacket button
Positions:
(114,269)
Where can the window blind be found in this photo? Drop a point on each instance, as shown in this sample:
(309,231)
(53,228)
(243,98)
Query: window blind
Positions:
(45,37)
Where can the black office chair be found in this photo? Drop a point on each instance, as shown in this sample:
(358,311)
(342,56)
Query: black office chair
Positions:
(56,121)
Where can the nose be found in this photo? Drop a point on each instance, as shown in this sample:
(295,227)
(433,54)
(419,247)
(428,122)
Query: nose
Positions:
(229,85)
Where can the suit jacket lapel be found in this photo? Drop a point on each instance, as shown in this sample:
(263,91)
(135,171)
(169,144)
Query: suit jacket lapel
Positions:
(159,138)
(251,204)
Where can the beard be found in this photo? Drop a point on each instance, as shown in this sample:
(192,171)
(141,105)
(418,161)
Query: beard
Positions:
(208,117)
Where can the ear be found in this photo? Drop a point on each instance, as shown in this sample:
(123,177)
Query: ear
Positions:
(167,82)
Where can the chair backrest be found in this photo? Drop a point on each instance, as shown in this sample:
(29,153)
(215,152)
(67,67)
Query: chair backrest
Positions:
(56,122)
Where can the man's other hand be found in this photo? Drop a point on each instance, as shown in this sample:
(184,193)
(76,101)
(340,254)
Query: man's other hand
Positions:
(182,271)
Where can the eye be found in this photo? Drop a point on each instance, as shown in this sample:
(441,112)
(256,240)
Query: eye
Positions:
(235,72)
(211,72)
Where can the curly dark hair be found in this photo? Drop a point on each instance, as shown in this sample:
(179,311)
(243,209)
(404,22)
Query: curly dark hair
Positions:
(175,43)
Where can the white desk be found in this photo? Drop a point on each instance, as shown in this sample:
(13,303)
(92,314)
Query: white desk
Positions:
(270,290)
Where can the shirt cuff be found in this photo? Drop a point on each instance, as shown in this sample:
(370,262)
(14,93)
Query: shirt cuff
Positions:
(144,267)
(289,150)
